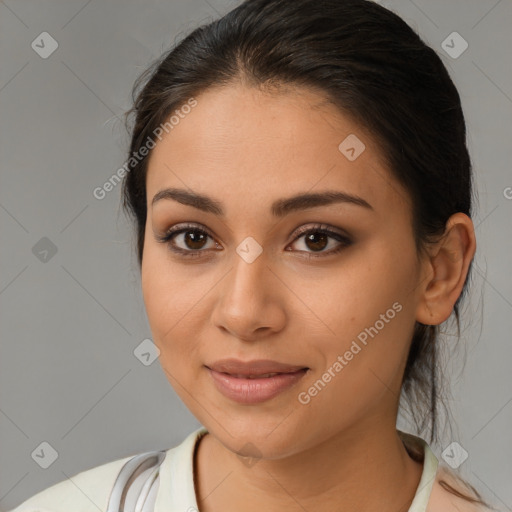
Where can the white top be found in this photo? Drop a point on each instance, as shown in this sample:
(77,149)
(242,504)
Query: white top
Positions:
(91,490)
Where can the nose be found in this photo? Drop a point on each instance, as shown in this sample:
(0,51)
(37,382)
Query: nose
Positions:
(251,300)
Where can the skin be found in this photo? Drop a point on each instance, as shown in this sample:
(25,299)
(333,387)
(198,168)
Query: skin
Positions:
(246,148)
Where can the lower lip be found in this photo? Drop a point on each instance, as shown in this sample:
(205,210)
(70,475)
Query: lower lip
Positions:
(253,391)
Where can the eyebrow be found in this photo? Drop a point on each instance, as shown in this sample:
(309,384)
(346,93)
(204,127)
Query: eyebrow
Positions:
(279,208)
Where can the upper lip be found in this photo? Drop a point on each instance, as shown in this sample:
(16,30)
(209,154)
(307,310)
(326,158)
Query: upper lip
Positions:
(255,367)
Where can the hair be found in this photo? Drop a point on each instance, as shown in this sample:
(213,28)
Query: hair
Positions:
(375,69)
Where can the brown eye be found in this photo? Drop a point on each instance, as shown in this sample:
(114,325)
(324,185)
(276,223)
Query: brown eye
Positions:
(191,241)
(317,239)
(187,240)
(194,238)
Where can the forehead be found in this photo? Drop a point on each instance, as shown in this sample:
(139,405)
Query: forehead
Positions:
(241,144)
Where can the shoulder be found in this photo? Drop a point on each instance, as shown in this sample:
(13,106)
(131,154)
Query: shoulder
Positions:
(441,489)
(86,491)
(128,480)
(448,491)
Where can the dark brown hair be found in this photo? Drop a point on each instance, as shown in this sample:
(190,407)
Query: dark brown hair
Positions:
(369,63)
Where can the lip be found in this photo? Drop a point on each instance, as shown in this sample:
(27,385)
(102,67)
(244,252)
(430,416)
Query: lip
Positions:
(230,378)
(254,367)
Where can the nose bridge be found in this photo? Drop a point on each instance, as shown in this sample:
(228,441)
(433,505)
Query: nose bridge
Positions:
(249,273)
(247,301)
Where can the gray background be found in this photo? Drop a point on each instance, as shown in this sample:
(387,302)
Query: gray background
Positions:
(72,320)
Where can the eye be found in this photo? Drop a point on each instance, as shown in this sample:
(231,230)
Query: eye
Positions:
(189,240)
(317,238)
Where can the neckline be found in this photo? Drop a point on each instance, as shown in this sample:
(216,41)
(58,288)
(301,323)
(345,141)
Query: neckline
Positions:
(178,471)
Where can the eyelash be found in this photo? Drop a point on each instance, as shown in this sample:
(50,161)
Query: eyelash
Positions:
(317,228)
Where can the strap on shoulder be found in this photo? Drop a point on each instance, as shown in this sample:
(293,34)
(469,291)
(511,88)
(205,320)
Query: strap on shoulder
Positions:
(130,479)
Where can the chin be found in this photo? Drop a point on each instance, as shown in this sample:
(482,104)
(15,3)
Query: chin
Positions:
(250,439)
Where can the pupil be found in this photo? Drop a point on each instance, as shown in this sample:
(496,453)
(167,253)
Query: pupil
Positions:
(192,237)
(317,244)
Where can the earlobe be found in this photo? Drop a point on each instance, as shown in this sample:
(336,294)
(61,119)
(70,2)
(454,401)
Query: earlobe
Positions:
(447,267)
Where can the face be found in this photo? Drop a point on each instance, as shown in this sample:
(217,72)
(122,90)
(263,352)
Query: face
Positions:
(331,287)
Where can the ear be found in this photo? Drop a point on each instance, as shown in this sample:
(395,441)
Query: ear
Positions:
(445,270)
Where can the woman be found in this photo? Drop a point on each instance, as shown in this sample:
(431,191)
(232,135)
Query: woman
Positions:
(301,191)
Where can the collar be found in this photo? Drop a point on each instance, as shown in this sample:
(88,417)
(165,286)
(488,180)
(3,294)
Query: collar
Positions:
(177,472)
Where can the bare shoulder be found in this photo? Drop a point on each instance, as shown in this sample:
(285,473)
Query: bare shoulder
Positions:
(450,493)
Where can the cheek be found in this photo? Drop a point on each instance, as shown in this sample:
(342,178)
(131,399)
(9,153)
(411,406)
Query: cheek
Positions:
(163,296)
(174,303)
(361,365)
(354,297)
(370,314)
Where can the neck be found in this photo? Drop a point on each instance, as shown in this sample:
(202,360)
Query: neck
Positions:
(366,469)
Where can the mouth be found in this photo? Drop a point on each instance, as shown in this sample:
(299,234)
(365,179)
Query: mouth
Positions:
(255,387)
(255,369)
